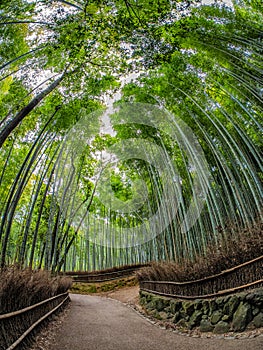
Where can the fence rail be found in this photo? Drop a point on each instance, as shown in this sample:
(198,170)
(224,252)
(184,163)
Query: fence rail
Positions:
(241,277)
(103,276)
(16,326)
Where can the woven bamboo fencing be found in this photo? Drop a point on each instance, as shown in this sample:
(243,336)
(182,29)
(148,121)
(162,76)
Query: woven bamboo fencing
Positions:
(96,277)
(17,327)
(242,277)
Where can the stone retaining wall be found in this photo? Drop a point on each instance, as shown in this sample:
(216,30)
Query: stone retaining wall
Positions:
(236,312)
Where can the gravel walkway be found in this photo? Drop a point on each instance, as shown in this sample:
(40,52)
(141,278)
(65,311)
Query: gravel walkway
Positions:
(94,322)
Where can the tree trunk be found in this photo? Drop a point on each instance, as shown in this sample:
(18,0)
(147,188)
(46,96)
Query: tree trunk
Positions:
(27,109)
(62,260)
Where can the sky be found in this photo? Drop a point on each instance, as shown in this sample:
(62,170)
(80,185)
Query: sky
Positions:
(209,2)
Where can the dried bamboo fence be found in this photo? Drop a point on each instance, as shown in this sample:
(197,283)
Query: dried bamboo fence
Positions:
(96,277)
(242,277)
(17,327)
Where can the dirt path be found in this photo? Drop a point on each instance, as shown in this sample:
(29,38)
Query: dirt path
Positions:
(127,295)
(95,322)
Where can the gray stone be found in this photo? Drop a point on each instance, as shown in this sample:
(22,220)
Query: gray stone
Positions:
(206,326)
(187,318)
(177,317)
(158,304)
(258,320)
(166,302)
(195,319)
(156,315)
(242,296)
(169,315)
(146,295)
(198,304)
(220,302)
(255,311)
(242,317)
(188,307)
(250,297)
(143,301)
(163,315)
(221,327)
(151,312)
(150,306)
(205,307)
(216,317)
(250,326)
(182,323)
(231,306)
(256,298)
(226,298)
(167,309)
(175,306)
(225,318)
(149,297)
(212,307)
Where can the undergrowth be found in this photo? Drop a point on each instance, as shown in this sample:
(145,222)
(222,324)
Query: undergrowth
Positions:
(21,288)
(230,252)
(101,287)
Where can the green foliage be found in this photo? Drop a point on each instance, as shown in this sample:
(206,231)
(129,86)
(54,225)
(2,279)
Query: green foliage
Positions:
(203,64)
(103,287)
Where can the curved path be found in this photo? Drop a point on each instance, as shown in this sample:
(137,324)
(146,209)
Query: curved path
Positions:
(99,323)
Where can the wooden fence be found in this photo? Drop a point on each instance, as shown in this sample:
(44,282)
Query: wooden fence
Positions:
(17,326)
(242,277)
(96,277)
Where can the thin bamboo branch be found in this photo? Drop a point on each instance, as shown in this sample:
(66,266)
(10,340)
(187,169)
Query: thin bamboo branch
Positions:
(21,56)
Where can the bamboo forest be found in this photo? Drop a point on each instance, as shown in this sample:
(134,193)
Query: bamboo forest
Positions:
(131,130)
